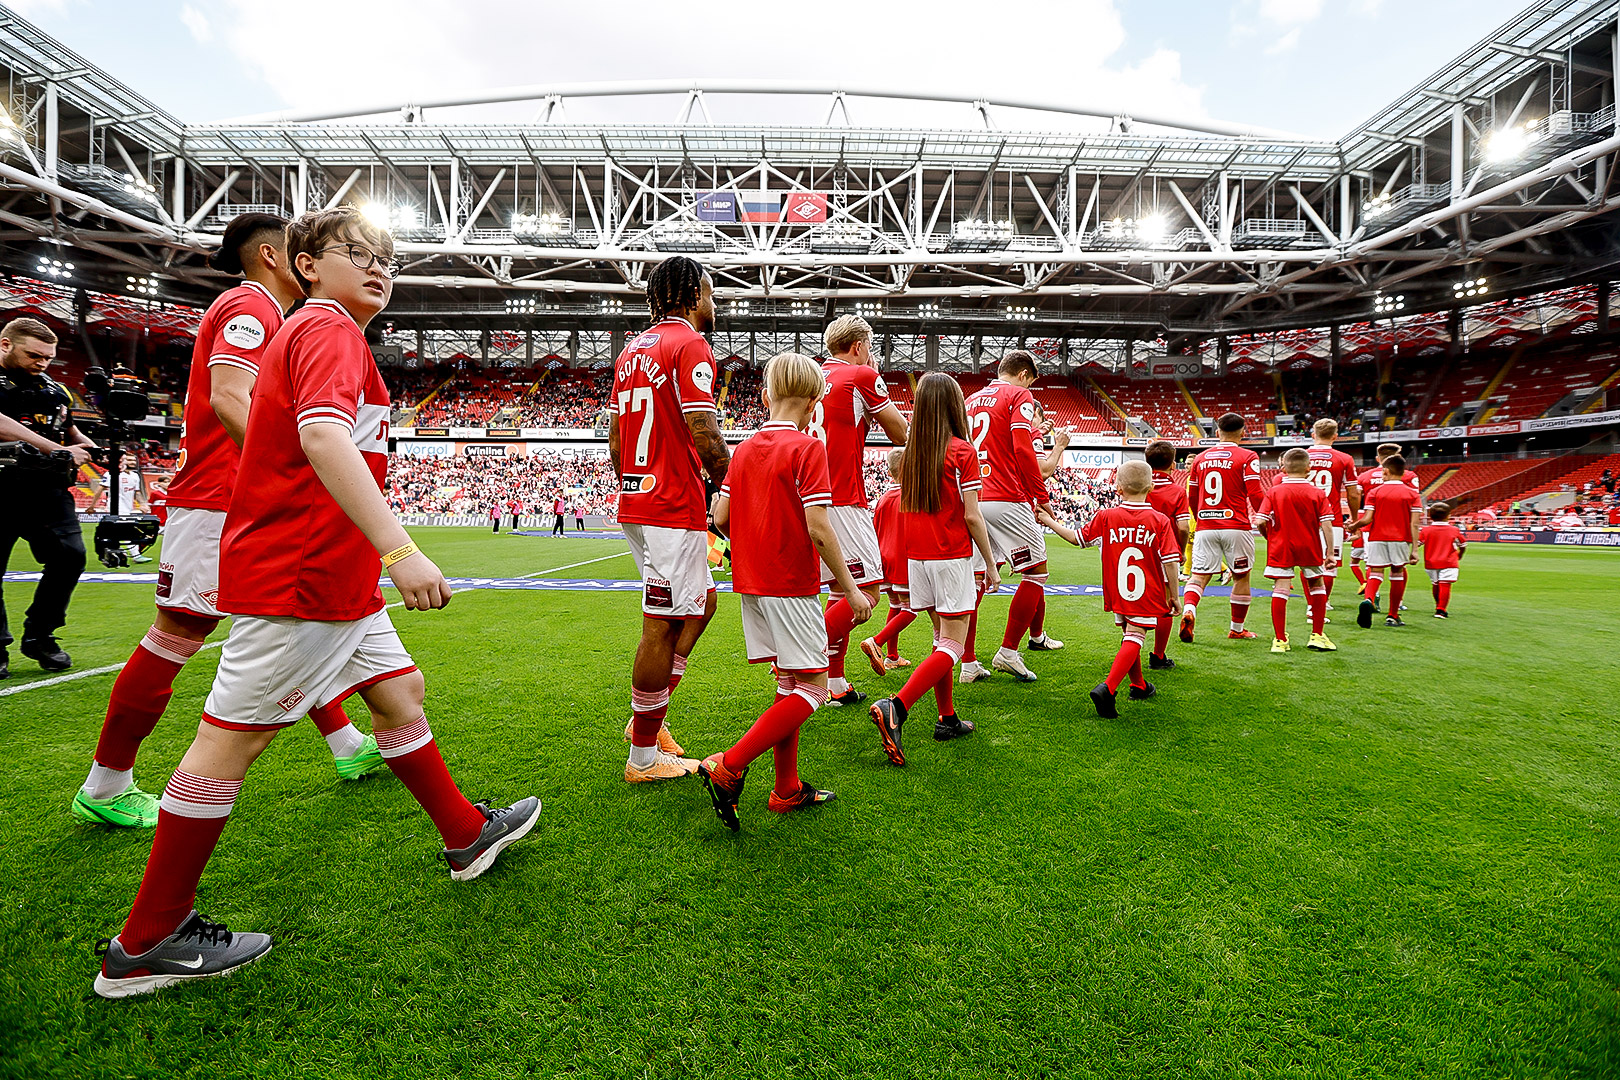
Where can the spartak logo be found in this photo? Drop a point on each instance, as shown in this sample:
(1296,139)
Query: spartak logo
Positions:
(807,210)
(291,701)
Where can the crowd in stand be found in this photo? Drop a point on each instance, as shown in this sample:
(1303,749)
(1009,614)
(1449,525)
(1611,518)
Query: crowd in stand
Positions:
(1354,393)
(472,486)
(743,410)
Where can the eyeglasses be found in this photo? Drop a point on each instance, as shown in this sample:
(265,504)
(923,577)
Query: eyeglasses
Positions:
(365,259)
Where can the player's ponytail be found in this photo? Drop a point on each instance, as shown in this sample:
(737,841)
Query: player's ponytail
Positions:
(940,414)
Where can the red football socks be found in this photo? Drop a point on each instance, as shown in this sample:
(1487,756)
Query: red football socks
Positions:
(191,818)
(647,711)
(899,619)
(840,621)
(1193,594)
(942,693)
(1397,589)
(1037,625)
(414,757)
(926,675)
(1240,611)
(329,718)
(969,653)
(1327,584)
(1127,664)
(1375,581)
(775,724)
(786,753)
(1279,617)
(677,672)
(1316,603)
(1026,600)
(1361,578)
(139,696)
(1161,636)
(1442,596)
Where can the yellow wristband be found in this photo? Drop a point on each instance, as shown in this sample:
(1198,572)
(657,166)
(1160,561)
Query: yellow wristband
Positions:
(400,553)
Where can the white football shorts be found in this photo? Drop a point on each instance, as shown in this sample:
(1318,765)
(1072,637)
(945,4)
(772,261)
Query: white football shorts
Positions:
(1212,547)
(943,586)
(1278,572)
(789,631)
(274,670)
(857,539)
(1449,574)
(674,565)
(1388,553)
(1016,538)
(188,567)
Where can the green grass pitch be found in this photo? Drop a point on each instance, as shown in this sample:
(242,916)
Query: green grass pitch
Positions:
(1397,860)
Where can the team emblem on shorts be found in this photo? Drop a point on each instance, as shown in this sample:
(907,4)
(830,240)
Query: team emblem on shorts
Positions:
(165,582)
(290,702)
(857,569)
(211,597)
(1019,556)
(659,594)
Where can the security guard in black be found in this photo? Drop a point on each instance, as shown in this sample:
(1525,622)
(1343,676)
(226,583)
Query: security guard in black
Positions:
(38,506)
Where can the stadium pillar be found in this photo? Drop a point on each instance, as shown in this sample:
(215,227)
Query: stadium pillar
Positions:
(1344,210)
(1603,294)
(1223,353)
(452,205)
(52,130)
(301,191)
(1457,152)
(931,353)
(179,210)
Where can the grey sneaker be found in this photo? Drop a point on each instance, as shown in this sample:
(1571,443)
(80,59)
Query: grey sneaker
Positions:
(502,826)
(198,950)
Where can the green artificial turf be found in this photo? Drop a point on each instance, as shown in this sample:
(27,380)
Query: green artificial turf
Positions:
(1395,860)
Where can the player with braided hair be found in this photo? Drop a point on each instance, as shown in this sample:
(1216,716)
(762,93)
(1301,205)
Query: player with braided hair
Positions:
(664,436)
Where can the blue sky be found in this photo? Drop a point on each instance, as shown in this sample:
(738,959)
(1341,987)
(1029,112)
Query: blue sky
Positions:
(1316,67)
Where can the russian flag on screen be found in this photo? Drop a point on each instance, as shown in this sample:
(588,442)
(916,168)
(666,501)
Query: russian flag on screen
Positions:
(760,206)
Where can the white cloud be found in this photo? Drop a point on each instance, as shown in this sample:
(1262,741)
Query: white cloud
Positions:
(197,23)
(1285,43)
(1290,12)
(414,53)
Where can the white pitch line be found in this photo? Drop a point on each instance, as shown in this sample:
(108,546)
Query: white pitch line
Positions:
(109,669)
(572,565)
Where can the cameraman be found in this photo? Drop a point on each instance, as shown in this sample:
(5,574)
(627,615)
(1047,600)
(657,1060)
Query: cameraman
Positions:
(36,410)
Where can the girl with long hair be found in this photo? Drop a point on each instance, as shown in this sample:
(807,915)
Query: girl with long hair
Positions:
(939,502)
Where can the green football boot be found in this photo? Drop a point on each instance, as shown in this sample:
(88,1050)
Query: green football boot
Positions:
(362,762)
(131,808)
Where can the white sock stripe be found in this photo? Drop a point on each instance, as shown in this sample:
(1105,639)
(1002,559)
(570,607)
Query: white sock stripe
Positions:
(649,700)
(195,796)
(815,695)
(953,649)
(400,741)
(171,647)
(785,684)
(679,667)
(1037,579)
(1136,634)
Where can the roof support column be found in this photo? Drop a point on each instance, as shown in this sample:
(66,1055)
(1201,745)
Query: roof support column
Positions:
(53,130)
(452,223)
(1457,153)
(179,193)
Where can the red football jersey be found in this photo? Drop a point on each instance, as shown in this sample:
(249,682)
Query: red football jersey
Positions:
(774,475)
(663,374)
(288,549)
(1333,472)
(891,534)
(1393,506)
(1139,556)
(1292,513)
(1374,476)
(235,331)
(855,394)
(1225,479)
(944,534)
(1001,420)
(1170,499)
(1440,541)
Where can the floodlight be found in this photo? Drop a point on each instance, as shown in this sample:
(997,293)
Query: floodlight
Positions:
(1505,144)
(611,306)
(1471,287)
(928,309)
(55,269)
(520,305)
(1376,206)
(871,308)
(1020,313)
(1150,230)
(141,286)
(1388,305)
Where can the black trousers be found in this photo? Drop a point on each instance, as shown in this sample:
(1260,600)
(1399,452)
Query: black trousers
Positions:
(44,517)
(557,529)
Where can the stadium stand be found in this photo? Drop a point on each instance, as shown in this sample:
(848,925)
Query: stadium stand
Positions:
(1453,480)
(472,486)
(1254,396)
(1466,378)
(1067,407)
(1537,382)
(1159,402)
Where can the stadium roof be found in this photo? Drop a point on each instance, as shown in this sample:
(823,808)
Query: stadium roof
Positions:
(1496,167)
